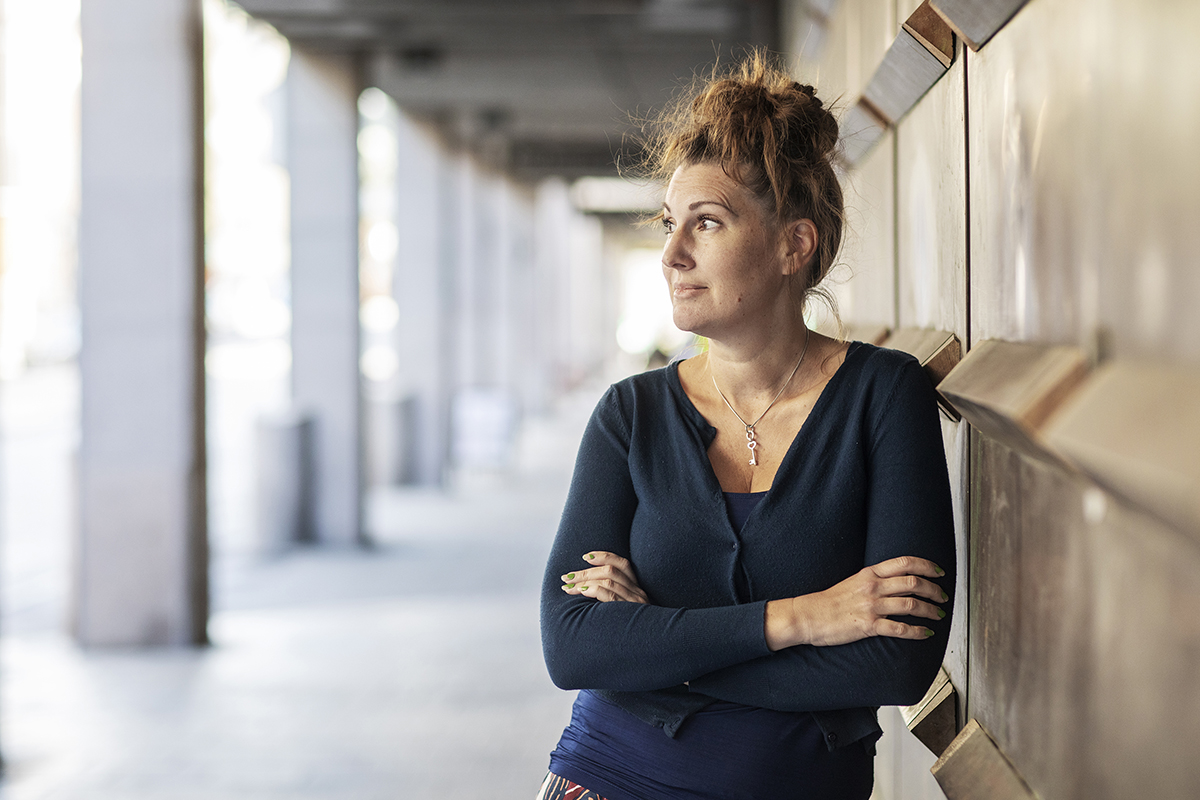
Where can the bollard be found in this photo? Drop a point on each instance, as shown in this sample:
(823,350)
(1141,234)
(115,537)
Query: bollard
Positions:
(285,511)
(391,440)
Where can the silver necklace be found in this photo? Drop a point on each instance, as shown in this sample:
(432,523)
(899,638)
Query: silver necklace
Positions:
(751,436)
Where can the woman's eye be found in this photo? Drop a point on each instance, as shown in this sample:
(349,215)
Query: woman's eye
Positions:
(668,226)
(706,223)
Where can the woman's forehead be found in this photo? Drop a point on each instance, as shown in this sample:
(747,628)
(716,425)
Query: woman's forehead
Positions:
(692,183)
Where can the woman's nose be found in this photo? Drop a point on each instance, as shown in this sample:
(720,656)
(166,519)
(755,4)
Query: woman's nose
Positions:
(676,253)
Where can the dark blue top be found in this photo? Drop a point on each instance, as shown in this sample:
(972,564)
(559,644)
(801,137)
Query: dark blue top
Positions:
(864,481)
(739,505)
(724,751)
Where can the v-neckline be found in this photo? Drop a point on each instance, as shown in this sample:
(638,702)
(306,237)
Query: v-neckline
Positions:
(710,431)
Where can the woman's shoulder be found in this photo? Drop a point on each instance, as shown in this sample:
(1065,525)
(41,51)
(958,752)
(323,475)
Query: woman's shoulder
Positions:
(653,401)
(871,365)
(645,392)
(881,359)
(876,377)
(644,386)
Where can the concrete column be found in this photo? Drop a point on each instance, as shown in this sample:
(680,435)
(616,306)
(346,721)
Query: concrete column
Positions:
(479,412)
(141,555)
(486,270)
(422,290)
(552,220)
(323,162)
(520,366)
(515,292)
(586,292)
(466,279)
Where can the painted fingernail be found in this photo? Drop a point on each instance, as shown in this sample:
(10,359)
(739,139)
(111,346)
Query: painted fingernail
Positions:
(945,597)
(583,588)
(570,576)
(938,570)
(941,614)
(570,586)
(590,556)
(928,633)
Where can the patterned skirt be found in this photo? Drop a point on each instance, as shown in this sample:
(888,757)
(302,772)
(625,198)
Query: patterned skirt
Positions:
(556,788)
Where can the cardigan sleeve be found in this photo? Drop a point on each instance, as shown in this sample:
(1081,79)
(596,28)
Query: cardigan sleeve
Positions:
(626,646)
(909,512)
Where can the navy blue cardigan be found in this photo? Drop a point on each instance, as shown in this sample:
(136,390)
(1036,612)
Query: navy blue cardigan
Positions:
(864,481)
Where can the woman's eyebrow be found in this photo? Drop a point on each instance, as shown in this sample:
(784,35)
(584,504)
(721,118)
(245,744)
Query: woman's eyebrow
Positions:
(699,203)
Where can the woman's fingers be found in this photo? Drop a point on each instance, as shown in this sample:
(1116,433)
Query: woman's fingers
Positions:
(598,574)
(911,584)
(601,558)
(907,607)
(899,630)
(606,591)
(612,578)
(907,565)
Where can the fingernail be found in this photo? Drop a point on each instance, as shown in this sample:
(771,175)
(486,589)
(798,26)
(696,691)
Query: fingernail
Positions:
(571,576)
(570,586)
(941,614)
(938,570)
(583,588)
(945,597)
(928,633)
(590,556)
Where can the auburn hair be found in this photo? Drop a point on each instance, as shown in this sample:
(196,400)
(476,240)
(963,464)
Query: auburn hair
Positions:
(768,132)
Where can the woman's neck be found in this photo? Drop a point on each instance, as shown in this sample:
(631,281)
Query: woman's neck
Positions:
(756,366)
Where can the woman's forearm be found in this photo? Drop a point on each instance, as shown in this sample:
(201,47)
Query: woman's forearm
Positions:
(619,646)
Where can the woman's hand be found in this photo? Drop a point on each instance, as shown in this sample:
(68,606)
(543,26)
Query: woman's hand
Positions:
(609,577)
(860,606)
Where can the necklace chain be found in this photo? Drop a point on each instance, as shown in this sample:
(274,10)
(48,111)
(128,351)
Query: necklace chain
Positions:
(751,435)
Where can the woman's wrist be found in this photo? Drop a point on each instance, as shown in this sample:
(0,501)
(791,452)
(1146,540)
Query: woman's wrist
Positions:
(785,623)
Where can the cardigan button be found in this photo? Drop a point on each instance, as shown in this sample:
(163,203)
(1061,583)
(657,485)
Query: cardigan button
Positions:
(832,737)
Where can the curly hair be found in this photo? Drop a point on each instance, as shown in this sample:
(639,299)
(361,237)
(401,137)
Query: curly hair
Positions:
(768,132)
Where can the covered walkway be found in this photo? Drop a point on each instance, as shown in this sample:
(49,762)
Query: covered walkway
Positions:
(411,669)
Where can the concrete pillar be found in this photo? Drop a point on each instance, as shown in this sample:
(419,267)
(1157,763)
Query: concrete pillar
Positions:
(423,289)
(487,280)
(467,278)
(516,291)
(323,162)
(484,414)
(587,290)
(552,220)
(520,369)
(141,555)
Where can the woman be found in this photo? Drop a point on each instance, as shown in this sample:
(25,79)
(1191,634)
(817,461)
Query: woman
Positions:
(750,560)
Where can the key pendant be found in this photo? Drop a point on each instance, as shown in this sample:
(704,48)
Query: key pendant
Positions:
(752,444)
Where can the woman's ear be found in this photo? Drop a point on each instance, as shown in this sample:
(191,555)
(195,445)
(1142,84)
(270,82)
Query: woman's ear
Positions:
(801,244)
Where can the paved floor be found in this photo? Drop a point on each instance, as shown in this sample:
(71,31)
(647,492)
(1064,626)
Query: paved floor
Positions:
(412,670)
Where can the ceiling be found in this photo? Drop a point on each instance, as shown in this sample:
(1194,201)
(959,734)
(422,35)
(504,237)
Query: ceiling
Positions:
(549,86)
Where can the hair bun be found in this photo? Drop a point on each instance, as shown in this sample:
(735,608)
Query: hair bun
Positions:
(808,91)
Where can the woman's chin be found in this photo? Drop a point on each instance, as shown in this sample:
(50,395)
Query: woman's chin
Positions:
(689,325)
(687,319)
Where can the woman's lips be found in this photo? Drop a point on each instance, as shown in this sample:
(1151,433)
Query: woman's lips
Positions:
(687,289)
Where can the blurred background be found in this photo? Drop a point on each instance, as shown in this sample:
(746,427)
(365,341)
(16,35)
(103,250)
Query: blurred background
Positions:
(304,305)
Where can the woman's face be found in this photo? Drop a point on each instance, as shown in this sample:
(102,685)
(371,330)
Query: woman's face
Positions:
(725,260)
